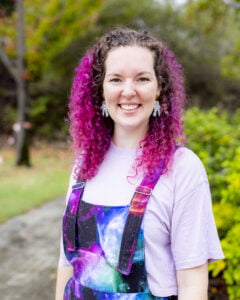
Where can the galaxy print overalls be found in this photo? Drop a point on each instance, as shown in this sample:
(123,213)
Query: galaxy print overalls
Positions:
(105,246)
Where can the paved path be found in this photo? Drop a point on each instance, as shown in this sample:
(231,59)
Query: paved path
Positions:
(29,249)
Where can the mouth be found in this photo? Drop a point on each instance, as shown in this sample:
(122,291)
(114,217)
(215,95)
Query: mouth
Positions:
(129,107)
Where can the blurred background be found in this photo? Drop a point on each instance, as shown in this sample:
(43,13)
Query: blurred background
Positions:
(40,44)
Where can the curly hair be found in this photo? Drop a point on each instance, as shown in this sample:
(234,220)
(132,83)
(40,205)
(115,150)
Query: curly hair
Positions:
(91,133)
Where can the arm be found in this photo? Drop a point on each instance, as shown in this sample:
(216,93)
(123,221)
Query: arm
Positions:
(193,283)
(63,275)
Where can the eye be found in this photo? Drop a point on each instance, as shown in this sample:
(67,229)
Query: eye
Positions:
(142,79)
(115,79)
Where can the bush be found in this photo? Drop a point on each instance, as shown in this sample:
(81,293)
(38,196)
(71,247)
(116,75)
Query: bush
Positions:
(232,192)
(215,137)
(231,274)
(211,135)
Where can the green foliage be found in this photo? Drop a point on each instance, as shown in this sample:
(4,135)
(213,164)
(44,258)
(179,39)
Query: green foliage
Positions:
(232,192)
(50,28)
(59,32)
(231,246)
(214,136)
(225,217)
(230,267)
(200,53)
(217,17)
(9,115)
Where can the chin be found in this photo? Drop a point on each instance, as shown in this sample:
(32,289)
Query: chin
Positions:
(136,126)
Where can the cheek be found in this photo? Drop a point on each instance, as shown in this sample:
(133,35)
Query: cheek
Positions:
(149,95)
(151,102)
(111,94)
(106,89)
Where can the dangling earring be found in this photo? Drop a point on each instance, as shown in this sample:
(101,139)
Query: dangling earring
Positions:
(165,108)
(104,110)
(156,109)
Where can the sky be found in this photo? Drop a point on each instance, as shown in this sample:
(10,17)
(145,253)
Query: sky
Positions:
(178,2)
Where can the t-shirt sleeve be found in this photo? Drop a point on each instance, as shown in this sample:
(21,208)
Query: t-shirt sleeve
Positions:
(63,262)
(194,237)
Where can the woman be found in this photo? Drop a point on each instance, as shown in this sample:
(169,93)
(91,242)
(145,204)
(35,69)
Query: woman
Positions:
(138,224)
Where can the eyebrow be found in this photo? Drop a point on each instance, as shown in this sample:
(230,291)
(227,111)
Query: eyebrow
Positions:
(139,74)
(113,74)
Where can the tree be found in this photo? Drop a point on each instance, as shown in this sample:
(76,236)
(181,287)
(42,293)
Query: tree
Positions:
(200,53)
(50,28)
(220,16)
(22,91)
(202,34)
(18,73)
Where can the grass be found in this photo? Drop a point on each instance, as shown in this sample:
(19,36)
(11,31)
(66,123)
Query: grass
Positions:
(22,189)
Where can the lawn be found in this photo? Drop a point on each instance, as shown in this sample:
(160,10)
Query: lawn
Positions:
(22,189)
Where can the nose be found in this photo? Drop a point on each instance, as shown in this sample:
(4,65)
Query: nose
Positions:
(128,90)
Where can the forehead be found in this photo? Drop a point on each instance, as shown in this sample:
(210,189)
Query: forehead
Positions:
(129,57)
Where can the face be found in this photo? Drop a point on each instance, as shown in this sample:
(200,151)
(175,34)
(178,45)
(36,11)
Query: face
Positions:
(130,87)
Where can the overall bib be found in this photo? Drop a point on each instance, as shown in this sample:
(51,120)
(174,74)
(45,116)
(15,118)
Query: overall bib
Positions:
(105,245)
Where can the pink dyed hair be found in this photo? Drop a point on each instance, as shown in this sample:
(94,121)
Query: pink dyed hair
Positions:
(91,132)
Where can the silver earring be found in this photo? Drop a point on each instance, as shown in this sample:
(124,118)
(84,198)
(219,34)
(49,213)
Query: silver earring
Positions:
(156,109)
(104,110)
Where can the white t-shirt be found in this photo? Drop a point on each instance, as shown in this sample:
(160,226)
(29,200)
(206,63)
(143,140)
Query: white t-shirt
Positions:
(179,228)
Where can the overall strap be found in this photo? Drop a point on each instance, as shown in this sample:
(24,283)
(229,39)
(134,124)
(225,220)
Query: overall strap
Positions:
(72,212)
(134,220)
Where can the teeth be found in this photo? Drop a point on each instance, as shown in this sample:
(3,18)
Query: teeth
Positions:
(129,107)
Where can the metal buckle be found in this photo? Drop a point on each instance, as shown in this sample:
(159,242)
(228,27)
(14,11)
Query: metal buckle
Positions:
(78,185)
(144,190)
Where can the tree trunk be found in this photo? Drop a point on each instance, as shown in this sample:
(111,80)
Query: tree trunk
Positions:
(22,132)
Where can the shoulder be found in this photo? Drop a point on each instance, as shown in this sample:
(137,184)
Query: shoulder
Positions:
(186,156)
(185,161)
(187,171)
(186,174)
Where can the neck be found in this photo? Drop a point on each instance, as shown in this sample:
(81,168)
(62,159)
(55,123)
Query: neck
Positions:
(128,139)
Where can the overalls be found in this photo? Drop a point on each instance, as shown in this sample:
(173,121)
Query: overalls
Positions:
(105,246)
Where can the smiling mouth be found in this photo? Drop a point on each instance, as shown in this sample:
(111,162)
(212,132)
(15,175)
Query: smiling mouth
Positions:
(129,107)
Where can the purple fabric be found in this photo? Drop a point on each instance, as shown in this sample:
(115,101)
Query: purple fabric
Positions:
(179,227)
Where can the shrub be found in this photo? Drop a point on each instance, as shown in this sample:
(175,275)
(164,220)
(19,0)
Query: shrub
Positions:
(215,137)
(231,194)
